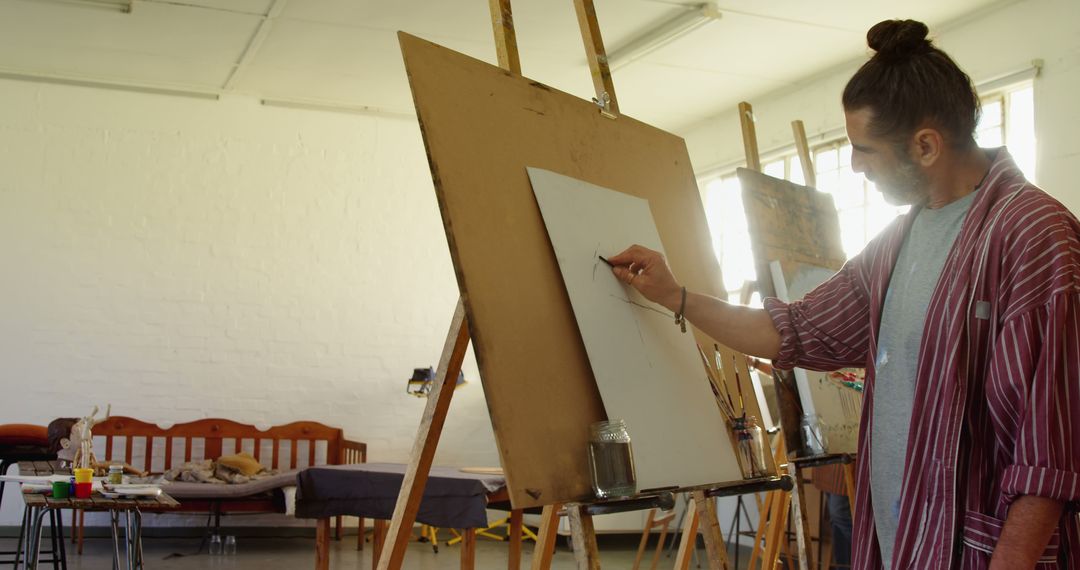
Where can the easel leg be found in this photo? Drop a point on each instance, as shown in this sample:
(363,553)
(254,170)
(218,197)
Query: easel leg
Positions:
(545,543)
(660,545)
(360,534)
(763,522)
(583,536)
(645,539)
(802,526)
(710,527)
(322,544)
(427,439)
(688,540)
(777,526)
(849,478)
(515,539)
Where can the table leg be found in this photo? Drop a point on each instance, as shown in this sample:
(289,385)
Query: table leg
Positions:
(52,539)
(129,540)
(377,540)
(322,544)
(60,529)
(24,531)
(114,524)
(360,534)
(468,549)
(515,539)
(34,540)
(136,516)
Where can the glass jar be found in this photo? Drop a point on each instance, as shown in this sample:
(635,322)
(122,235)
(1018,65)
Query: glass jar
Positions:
(812,429)
(750,447)
(116,474)
(611,460)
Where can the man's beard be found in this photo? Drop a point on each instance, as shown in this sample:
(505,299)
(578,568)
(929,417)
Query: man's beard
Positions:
(904,187)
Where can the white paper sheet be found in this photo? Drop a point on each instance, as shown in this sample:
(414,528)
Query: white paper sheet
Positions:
(648,372)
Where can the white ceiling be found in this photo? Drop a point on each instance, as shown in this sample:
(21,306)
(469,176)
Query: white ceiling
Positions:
(345,52)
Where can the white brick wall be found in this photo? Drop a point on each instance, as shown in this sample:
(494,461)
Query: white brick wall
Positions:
(183,259)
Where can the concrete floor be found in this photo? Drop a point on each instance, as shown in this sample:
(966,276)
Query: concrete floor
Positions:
(298,553)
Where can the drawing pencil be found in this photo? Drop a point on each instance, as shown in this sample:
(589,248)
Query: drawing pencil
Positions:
(610,264)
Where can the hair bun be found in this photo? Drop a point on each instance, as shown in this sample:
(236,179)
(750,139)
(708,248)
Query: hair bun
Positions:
(898,39)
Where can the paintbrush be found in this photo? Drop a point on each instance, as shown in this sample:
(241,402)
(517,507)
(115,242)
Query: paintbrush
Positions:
(720,366)
(738,384)
(714,382)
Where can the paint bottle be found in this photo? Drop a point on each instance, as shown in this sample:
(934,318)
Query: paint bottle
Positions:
(116,474)
(813,435)
(611,460)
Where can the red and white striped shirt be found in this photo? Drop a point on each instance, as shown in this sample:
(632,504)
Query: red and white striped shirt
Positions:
(997,405)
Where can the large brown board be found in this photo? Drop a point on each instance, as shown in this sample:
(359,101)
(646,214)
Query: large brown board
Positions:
(789,223)
(482,127)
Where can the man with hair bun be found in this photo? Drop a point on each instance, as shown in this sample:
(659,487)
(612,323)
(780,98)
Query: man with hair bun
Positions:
(965,313)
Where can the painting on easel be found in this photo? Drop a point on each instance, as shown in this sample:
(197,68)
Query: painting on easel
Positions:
(795,235)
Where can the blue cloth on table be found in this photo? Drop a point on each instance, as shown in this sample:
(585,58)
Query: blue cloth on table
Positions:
(452,499)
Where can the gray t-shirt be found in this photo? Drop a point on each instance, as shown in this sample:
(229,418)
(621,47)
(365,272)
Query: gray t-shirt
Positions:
(913,280)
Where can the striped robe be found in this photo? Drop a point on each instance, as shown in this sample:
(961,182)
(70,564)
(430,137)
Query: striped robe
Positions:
(996,411)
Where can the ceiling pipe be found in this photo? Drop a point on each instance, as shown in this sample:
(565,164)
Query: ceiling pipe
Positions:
(125,6)
(663,34)
(136,87)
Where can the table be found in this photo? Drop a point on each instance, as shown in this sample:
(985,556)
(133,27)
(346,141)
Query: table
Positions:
(130,510)
(452,499)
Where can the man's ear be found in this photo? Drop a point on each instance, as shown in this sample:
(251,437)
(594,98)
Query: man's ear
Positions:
(65,442)
(927,145)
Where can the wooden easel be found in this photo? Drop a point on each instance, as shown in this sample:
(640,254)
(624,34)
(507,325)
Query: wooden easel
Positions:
(579,514)
(772,528)
(802,147)
(777,510)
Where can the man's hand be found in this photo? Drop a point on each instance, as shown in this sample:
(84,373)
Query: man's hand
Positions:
(744,329)
(648,272)
(1030,522)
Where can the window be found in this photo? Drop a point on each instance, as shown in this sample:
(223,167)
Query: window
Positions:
(731,238)
(862,210)
(1008,118)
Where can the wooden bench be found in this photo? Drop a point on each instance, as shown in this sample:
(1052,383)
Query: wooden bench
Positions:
(293,446)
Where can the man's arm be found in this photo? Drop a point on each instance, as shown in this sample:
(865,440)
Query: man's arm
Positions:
(744,329)
(1028,527)
(747,330)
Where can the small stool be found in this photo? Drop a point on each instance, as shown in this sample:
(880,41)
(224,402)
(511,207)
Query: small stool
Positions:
(28,442)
